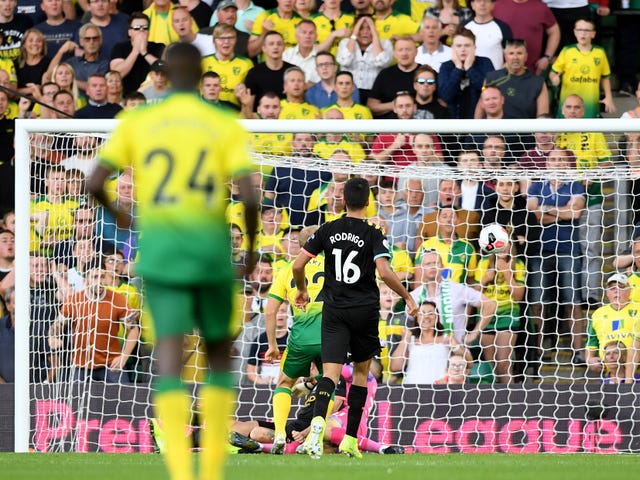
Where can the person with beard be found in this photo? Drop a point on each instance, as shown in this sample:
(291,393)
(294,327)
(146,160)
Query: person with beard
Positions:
(95,315)
(525,93)
(427,105)
(291,187)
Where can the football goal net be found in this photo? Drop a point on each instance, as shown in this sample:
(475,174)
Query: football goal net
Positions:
(526,332)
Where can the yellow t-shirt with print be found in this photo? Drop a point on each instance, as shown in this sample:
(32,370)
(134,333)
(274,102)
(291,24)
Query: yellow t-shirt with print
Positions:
(611,325)
(325,149)
(354,112)
(396,25)
(284,26)
(325,26)
(51,220)
(298,111)
(232,73)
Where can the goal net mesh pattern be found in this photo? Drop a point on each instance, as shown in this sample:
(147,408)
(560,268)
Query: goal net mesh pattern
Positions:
(556,327)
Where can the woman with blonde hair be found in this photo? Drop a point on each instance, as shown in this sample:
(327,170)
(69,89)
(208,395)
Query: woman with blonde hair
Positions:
(64,76)
(32,63)
(114,87)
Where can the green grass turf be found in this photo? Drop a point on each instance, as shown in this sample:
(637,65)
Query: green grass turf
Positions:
(95,466)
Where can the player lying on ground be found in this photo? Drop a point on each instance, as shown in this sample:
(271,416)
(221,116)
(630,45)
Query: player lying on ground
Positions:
(246,434)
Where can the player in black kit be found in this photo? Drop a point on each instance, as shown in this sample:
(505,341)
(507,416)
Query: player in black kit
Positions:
(353,249)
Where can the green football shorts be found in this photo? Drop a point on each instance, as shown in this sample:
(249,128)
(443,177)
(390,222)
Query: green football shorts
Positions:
(178,309)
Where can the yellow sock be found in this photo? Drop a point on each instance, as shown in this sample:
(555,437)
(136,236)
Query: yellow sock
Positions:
(281,406)
(173,407)
(329,409)
(216,406)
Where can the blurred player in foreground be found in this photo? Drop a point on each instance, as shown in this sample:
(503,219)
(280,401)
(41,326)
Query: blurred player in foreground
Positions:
(181,157)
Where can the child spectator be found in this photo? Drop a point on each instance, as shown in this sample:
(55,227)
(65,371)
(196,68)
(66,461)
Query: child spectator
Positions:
(584,68)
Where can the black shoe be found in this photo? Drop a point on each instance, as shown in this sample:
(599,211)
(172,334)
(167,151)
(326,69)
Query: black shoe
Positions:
(626,90)
(244,443)
(391,450)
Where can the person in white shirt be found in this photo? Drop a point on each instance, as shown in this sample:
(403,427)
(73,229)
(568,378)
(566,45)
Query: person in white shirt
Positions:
(303,55)
(364,55)
(181,22)
(432,52)
(489,31)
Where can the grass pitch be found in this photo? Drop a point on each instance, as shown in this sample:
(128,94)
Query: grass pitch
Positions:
(97,466)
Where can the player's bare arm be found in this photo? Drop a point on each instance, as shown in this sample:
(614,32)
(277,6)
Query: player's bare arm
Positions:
(270,327)
(302,297)
(250,201)
(390,278)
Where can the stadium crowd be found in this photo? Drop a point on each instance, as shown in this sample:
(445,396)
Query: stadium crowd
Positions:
(362,59)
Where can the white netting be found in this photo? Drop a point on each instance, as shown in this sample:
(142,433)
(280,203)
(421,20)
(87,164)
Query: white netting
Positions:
(554,280)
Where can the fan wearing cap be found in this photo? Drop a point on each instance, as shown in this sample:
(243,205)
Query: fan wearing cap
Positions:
(158,87)
(613,322)
(227,12)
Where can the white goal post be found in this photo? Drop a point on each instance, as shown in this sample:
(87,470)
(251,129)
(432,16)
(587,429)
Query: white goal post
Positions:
(617,174)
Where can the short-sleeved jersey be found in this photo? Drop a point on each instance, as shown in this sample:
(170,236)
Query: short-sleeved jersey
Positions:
(232,73)
(284,288)
(582,73)
(460,257)
(8,66)
(499,290)
(318,199)
(95,327)
(354,112)
(284,26)
(611,325)
(160,28)
(59,220)
(634,281)
(589,149)
(351,247)
(325,26)
(272,143)
(182,152)
(325,149)
(298,111)
(396,25)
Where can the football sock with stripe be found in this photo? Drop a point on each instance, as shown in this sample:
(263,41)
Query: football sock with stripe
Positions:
(281,408)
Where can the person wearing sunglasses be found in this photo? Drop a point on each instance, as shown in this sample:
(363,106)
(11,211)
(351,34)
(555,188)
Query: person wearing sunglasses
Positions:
(134,57)
(427,104)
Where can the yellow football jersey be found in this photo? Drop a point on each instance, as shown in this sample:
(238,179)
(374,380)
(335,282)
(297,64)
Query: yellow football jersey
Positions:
(298,111)
(284,26)
(232,73)
(396,25)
